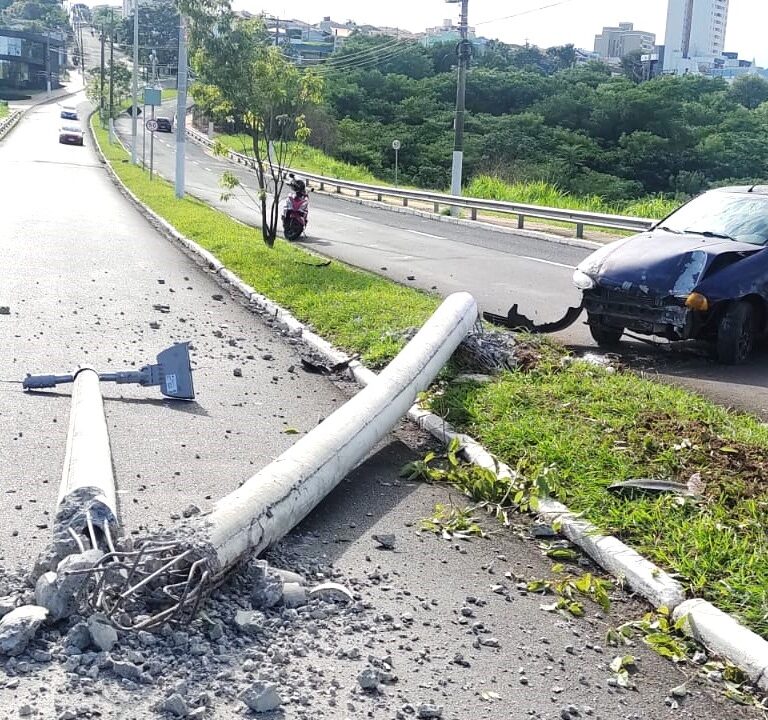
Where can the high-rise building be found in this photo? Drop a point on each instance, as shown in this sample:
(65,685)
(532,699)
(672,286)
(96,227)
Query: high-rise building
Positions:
(695,32)
(616,42)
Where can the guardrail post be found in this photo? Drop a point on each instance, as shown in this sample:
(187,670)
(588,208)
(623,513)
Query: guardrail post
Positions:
(338,189)
(405,202)
(520,222)
(436,208)
(357,193)
(580,230)
(379,197)
(322,186)
(474,213)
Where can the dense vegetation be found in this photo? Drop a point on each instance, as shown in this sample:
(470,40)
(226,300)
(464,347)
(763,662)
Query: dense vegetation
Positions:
(533,115)
(38,15)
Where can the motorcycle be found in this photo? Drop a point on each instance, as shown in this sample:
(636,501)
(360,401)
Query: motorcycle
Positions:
(295,214)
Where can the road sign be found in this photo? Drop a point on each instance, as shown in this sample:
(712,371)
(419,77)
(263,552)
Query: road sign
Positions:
(395,144)
(152,125)
(152,96)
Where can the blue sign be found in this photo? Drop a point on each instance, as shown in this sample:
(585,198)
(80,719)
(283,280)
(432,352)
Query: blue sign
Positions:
(152,96)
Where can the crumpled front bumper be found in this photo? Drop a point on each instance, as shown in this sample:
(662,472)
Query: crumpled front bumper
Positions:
(645,314)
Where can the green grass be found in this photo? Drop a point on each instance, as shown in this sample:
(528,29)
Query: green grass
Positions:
(354,309)
(309,159)
(589,428)
(543,193)
(584,427)
(3,108)
(312,160)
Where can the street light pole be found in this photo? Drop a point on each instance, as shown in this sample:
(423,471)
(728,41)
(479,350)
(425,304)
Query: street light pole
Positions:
(181,107)
(464,51)
(135,88)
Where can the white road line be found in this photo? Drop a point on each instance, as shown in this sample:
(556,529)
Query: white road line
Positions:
(547,262)
(423,234)
(351,217)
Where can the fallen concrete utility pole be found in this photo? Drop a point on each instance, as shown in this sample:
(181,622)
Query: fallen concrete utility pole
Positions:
(86,515)
(87,503)
(160,579)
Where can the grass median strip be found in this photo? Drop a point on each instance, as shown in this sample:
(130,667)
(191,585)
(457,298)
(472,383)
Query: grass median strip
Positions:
(350,307)
(578,425)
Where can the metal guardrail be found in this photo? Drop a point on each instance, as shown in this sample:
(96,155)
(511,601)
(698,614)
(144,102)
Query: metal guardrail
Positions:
(9,121)
(579,218)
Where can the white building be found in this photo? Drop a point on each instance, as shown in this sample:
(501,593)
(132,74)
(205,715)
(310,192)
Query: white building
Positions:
(616,42)
(447,32)
(695,35)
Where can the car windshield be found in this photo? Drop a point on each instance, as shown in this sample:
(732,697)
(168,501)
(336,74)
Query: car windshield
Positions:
(733,216)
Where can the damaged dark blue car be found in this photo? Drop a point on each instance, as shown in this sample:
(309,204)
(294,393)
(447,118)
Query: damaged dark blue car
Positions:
(699,274)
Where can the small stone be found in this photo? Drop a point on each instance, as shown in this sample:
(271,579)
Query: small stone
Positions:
(78,636)
(249,621)
(238,372)
(267,356)
(679,692)
(216,630)
(427,711)
(103,635)
(294,595)
(25,710)
(5,310)
(385,541)
(368,679)
(7,603)
(176,705)
(190,511)
(18,627)
(467,612)
(491,642)
(261,697)
(218,298)
(126,670)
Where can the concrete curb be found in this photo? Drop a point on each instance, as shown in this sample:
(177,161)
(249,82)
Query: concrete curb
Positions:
(708,625)
(10,122)
(475,224)
(725,636)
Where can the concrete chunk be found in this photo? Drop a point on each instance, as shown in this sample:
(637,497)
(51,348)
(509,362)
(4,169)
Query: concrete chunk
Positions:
(18,627)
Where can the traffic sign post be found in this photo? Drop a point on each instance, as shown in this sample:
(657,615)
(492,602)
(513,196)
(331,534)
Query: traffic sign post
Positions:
(396,147)
(151,125)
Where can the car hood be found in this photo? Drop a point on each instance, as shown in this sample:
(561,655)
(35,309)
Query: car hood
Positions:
(661,263)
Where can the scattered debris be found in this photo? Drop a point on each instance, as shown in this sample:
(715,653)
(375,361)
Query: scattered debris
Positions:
(238,372)
(515,321)
(332,592)
(643,486)
(261,697)
(319,367)
(385,541)
(5,310)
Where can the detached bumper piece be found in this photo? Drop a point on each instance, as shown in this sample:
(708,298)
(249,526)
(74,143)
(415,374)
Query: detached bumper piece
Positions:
(515,321)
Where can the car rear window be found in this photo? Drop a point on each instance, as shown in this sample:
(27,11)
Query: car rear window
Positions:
(70,129)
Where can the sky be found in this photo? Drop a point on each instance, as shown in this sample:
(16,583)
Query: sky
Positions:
(566,21)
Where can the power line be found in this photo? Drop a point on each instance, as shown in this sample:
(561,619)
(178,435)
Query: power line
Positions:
(523,12)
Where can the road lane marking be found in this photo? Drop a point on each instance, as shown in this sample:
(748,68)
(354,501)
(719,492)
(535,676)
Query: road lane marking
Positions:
(423,234)
(547,262)
(351,217)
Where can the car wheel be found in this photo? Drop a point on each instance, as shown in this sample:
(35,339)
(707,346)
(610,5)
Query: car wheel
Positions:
(606,336)
(736,333)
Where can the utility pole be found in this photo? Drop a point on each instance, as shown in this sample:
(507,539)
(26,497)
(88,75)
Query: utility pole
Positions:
(465,52)
(48,62)
(101,79)
(111,71)
(135,85)
(82,49)
(181,106)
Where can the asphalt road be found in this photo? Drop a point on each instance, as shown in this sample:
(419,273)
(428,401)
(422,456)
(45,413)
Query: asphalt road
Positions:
(499,269)
(82,277)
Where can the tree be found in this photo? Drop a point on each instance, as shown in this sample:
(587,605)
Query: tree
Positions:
(632,66)
(750,91)
(36,15)
(122,80)
(158,32)
(241,77)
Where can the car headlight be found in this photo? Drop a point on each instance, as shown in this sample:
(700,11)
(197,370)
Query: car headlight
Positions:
(582,281)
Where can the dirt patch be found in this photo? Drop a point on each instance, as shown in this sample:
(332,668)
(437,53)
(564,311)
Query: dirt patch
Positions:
(731,470)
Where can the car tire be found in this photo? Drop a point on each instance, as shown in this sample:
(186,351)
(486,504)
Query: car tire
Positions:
(736,333)
(606,336)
